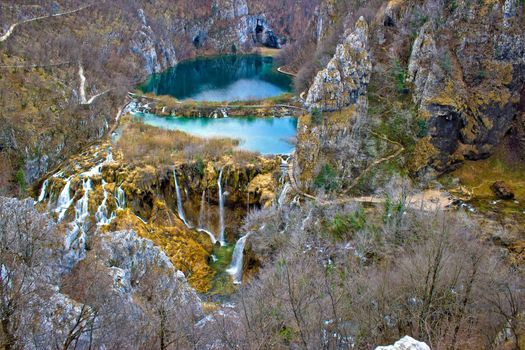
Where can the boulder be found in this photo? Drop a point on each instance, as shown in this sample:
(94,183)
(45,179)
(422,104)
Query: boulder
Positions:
(405,343)
(502,190)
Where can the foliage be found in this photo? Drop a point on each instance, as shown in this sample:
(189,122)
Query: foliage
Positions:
(399,74)
(342,225)
(422,128)
(21,180)
(327,178)
(317,116)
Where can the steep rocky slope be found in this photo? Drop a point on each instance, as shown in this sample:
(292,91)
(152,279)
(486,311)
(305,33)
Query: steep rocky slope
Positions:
(443,81)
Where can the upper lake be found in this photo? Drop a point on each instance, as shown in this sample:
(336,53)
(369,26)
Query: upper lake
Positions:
(220,78)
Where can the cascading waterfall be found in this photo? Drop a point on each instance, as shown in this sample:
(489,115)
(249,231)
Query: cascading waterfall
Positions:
(64,200)
(202,219)
(202,211)
(221,209)
(121,198)
(101,215)
(82,206)
(180,210)
(81,213)
(282,196)
(43,191)
(235,269)
(212,236)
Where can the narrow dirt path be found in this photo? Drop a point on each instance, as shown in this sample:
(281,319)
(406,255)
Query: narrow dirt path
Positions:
(83,100)
(428,200)
(13,26)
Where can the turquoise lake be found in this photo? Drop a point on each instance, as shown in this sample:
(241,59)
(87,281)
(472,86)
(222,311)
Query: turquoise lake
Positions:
(263,135)
(220,78)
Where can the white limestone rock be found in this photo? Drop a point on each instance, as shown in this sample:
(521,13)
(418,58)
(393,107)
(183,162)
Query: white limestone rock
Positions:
(405,343)
(344,81)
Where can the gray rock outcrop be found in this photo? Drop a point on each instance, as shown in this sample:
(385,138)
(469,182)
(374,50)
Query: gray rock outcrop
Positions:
(345,79)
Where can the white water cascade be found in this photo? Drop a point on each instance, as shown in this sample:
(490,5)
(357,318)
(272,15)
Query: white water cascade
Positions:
(64,200)
(282,196)
(121,198)
(221,209)
(202,210)
(43,191)
(76,233)
(82,206)
(180,210)
(202,219)
(212,236)
(101,215)
(235,269)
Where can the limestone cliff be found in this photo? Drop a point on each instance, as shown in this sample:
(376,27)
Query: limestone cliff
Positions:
(444,80)
(345,79)
(332,140)
(468,78)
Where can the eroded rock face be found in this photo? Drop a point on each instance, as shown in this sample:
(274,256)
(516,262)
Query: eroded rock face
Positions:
(502,190)
(342,86)
(345,79)
(156,53)
(405,343)
(229,28)
(467,86)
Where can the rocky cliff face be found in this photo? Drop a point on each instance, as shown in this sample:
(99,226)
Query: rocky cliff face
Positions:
(460,78)
(226,27)
(334,139)
(345,79)
(468,76)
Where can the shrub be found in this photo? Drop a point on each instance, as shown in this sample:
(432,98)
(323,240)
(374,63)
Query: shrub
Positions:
(327,179)
(21,180)
(399,74)
(317,116)
(422,128)
(341,225)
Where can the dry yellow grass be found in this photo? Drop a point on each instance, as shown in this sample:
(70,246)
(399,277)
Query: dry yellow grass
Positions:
(148,144)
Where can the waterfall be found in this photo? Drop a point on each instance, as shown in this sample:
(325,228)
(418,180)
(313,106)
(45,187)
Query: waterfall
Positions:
(202,211)
(212,236)
(221,209)
(202,219)
(64,200)
(82,206)
(43,191)
(97,169)
(121,198)
(282,196)
(235,269)
(180,210)
(101,215)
